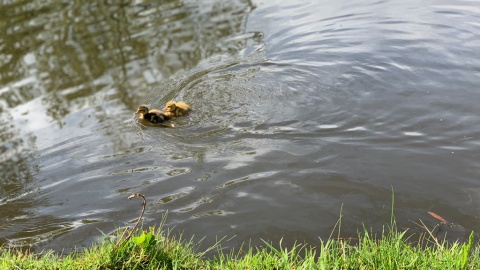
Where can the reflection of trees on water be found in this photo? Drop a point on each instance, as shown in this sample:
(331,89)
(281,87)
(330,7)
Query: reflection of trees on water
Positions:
(80,55)
(15,177)
(15,172)
(66,57)
(79,50)
(77,56)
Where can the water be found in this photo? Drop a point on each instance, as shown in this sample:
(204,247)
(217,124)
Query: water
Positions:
(302,111)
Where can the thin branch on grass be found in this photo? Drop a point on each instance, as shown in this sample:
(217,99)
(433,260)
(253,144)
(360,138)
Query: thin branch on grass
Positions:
(144,204)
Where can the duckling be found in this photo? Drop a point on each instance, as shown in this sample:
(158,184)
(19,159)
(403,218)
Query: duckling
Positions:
(176,109)
(152,116)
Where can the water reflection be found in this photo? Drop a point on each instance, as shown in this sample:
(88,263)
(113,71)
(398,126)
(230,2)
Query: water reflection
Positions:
(71,74)
(298,109)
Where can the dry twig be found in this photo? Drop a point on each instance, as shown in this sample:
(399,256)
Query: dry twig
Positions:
(144,204)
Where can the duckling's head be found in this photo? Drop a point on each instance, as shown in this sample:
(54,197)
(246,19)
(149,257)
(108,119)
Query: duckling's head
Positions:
(170,106)
(142,110)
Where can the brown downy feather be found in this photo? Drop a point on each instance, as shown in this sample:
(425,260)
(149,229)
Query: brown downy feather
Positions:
(176,109)
(152,116)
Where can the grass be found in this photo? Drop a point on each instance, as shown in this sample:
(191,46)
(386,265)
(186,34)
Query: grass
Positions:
(157,249)
(160,249)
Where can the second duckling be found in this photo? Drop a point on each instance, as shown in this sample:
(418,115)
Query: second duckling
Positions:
(152,116)
(176,109)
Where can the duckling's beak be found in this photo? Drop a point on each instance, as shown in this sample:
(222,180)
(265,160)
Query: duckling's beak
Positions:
(137,112)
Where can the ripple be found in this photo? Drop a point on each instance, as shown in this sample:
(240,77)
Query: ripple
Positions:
(250,177)
(193,206)
(212,213)
(175,196)
(178,172)
(136,170)
(413,133)
(327,126)
(35,230)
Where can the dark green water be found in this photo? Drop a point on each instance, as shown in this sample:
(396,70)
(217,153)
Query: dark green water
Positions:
(299,108)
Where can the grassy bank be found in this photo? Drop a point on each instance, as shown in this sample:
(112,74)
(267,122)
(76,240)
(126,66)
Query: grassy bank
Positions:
(157,249)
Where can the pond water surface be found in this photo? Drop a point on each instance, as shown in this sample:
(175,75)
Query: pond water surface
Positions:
(302,110)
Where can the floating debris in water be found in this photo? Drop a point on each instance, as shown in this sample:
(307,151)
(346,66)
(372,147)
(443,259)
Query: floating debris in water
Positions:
(447,231)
